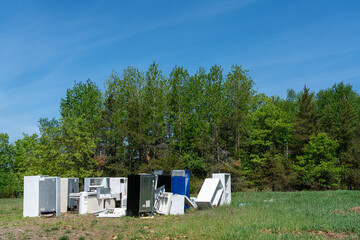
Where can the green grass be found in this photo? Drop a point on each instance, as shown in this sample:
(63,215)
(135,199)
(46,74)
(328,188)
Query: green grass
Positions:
(291,215)
(10,209)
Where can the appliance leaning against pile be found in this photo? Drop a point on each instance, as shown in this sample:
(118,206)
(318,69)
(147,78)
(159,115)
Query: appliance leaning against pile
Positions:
(136,195)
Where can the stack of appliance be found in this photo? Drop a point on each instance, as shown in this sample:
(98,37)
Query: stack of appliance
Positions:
(178,200)
(102,193)
(139,194)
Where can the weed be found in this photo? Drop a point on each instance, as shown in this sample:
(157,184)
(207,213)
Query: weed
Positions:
(51,229)
(93,222)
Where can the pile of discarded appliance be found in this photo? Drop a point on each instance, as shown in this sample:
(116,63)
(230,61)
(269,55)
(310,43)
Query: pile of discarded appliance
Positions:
(135,195)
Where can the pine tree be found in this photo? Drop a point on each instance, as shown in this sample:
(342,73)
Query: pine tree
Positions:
(239,98)
(113,127)
(177,107)
(305,123)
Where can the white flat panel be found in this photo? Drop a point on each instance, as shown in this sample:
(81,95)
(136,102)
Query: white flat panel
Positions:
(115,185)
(165,203)
(118,185)
(31,196)
(177,205)
(64,195)
(208,189)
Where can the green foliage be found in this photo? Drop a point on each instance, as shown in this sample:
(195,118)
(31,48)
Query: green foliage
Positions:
(9,183)
(178,106)
(120,95)
(305,123)
(319,165)
(339,110)
(26,159)
(270,128)
(51,149)
(194,163)
(272,173)
(351,162)
(6,153)
(80,124)
(239,100)
(268,144)
(207,122)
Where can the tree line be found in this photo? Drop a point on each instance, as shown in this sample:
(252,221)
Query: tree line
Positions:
(206,122)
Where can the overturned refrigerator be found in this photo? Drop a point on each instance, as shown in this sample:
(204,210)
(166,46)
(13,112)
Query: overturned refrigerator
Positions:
(210,193)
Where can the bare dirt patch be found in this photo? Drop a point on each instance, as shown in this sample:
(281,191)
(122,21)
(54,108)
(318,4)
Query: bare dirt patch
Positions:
(329,235)
(323,234)
(73,226)
(355,209)
(338,211)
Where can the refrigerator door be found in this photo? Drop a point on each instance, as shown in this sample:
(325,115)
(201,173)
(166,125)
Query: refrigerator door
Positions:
(47,195)
(147,185)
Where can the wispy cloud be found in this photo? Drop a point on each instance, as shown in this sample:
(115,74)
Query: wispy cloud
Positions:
(199,12)
(35,54)
(305,56)
(30,46)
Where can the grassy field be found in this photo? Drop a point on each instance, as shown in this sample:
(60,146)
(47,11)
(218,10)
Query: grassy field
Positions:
(292,215)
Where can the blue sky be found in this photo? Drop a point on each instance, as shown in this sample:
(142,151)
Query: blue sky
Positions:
(47,45)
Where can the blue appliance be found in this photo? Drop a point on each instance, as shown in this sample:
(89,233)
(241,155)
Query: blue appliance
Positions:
(180,183)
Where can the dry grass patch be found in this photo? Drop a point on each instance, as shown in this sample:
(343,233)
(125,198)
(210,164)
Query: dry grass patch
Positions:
(355,209)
